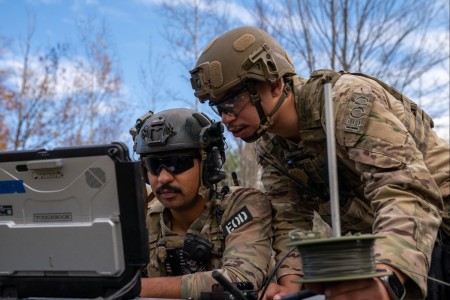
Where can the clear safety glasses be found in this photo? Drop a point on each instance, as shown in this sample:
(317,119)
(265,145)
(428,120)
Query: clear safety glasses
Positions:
(232,104)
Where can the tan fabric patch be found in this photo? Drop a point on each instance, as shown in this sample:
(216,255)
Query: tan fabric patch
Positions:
(215,74)
(357,112)
(352,116)
(244,42)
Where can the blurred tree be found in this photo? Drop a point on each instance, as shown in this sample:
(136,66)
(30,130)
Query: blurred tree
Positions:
(231,165)
(5,95)
(4,131)
(28,96)
(153,79)
(190,24)
(58,97)
(381,37)
(95,87)
(249,170)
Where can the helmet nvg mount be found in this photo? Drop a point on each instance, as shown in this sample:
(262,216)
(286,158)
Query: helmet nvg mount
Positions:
(175,130)
(244,53)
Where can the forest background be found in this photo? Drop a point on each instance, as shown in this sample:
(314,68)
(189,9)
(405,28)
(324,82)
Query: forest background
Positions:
(80,72)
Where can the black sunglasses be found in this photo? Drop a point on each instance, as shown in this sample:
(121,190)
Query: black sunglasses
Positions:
(175,164)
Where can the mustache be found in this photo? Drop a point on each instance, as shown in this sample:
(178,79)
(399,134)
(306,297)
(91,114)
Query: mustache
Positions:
(167,188)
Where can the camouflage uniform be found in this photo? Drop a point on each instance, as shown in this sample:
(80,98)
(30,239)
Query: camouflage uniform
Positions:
(387,185)
(239,228)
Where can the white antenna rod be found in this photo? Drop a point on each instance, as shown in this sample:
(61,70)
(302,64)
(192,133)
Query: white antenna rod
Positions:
(332,161)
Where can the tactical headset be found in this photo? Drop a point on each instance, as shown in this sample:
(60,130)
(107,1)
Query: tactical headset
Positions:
(182,129)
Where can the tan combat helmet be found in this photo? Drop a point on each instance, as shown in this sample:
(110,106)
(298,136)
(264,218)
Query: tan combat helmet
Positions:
(244,53)
(241,57)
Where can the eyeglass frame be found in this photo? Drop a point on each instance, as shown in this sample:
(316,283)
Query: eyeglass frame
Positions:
(231,100)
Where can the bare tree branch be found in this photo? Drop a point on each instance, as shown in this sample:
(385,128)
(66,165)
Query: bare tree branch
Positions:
(389,39)
(52,98)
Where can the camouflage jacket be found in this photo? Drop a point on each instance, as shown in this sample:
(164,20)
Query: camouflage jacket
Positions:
(239,229)
(387,186)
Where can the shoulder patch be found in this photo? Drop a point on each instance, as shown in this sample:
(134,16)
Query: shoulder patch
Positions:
(352,116)
(239,219)
(357,113)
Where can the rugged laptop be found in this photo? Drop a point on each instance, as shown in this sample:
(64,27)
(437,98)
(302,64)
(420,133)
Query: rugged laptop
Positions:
(72,223)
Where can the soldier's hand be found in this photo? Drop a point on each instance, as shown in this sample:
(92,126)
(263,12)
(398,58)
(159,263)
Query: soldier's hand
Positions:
(371,288)
(275,292)
(285,286)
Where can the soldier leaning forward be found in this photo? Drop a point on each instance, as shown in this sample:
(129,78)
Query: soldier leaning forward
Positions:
(393,169)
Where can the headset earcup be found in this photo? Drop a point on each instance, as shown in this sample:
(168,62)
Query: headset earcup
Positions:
(211,170)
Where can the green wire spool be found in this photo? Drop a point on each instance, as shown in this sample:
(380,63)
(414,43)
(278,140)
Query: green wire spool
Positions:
(330,259)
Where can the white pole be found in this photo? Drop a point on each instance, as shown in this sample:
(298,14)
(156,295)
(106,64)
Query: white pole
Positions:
(332,161)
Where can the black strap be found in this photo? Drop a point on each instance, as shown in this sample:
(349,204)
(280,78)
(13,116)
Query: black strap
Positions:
(265,120)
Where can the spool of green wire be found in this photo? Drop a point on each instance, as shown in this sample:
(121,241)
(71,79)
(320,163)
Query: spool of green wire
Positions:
(335,258)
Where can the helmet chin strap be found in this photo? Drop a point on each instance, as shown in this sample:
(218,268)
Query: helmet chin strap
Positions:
(265,120)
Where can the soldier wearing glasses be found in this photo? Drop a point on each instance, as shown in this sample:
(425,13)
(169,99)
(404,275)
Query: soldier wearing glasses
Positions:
(193,227)
(393,169)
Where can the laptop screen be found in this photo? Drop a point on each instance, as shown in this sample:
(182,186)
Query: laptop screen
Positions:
(72,223)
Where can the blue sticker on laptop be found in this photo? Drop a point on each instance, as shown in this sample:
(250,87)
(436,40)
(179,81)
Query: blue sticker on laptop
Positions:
(11,187)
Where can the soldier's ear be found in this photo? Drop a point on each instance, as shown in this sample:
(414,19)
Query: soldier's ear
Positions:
(277,88)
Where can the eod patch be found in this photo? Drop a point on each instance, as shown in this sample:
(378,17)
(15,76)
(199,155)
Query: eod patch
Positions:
(239,219)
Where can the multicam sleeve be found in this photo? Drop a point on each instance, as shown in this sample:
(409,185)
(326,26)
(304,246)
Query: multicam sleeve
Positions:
(247,254)
(403,195)
(287,212)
